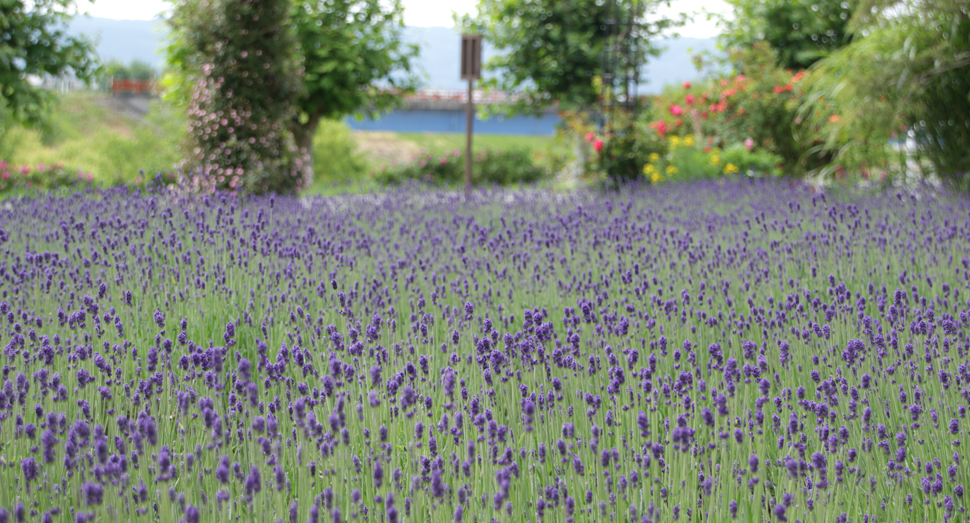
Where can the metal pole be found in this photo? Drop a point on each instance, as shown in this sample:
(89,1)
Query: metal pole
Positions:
(470,118)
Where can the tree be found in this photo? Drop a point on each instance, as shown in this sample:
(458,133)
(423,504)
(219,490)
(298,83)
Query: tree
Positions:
(140,70)
(353,56)
(34,43)
(244,93)
(552,50)
(800,31)
(115,69)
(350,50)
(910,70)
(136,70)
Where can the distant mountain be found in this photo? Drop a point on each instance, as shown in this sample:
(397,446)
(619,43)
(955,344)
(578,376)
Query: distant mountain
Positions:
(126,40)
(123,40)
(441,49)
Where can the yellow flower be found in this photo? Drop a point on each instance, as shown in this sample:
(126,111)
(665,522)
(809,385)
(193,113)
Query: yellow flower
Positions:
(649,168)
(730,168)
(674,142)
(689,141)
(654,157)
(671,169)
(656,177)
(715,160)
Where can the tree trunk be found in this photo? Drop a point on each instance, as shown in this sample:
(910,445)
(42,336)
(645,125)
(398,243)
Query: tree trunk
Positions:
(303,136)
(576,168)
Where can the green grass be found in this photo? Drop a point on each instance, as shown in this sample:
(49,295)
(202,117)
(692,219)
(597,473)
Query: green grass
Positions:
(437,143)
(86,134)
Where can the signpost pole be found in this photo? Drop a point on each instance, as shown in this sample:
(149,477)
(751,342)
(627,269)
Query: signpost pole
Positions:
(470,120)
(471,63)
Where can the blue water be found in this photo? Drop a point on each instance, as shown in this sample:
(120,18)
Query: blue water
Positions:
(418,121)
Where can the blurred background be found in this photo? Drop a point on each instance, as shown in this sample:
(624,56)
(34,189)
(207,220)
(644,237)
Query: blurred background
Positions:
(698,75)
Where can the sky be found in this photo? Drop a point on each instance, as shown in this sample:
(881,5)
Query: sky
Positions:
(420,13)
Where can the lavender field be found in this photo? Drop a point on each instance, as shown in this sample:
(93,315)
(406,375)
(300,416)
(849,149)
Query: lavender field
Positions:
(706,352)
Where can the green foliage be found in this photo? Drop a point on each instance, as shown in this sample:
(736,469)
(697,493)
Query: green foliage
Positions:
(756,102)
(350,51)
(156,146)
(352,57)
(687,161)
(46,177)
(335,154)
(9,139)
(570,147)
(446,142)
(136,70)
(110,146)
(34,43)
(625,151)
(801,31)
(552,50)
(910,71)
(488,167)
(757,163)
(241,55)
(763,107)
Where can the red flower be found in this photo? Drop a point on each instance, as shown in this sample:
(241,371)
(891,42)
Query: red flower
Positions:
(676,110)
(598,146)
(686,85)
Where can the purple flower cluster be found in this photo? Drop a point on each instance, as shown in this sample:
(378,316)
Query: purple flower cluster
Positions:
(750,351)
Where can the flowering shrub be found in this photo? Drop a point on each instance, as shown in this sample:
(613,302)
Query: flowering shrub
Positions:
(621,152)
(488,167)
(24,177)
(244,97)
(571,147)
(758,105)
(686,160)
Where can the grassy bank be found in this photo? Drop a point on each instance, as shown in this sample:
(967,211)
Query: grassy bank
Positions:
(92,132)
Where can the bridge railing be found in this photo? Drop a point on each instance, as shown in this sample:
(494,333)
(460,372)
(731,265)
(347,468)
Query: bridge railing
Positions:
(122,86)
(479,96)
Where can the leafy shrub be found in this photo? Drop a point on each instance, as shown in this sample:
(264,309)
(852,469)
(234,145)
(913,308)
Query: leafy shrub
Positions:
(569,149)
(242,58)
(21,178)
(335,154)
(625,150)
(757,103)
(685,160)
(755,163)
(488,167)
(908,76)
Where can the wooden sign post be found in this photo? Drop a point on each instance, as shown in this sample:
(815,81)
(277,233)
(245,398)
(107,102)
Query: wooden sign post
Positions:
(471,70)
